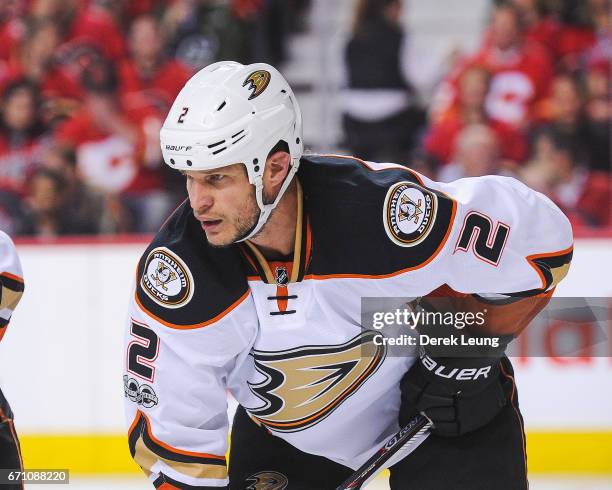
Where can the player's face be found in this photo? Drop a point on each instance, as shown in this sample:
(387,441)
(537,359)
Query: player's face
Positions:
(223,201)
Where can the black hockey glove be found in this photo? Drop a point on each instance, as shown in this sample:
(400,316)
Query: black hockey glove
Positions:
(459,395)
(458,386)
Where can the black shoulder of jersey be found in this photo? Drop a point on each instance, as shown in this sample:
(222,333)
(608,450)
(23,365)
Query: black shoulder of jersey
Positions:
(184,282)
(367,220)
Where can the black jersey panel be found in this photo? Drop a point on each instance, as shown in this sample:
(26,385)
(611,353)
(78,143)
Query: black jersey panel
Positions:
(348,205)
(182,280)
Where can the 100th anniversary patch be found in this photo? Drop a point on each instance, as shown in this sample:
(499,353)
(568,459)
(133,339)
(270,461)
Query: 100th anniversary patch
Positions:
(409,213)
(166,279)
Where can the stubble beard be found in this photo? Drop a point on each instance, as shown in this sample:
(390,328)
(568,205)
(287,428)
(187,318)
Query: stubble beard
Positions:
(244,222)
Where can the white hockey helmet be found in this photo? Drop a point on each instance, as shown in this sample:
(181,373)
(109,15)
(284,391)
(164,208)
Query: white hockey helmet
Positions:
(231,113)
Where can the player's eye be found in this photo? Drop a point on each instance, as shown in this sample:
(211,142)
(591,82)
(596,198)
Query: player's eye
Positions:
(216,177)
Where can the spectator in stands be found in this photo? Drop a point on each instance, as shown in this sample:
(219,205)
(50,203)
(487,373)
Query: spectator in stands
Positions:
(147,77)
(98,23)
(264,26)
(246,31)
(381,117)
(117,149)
(578,32)
(589,140)
(43,205)
(565,28)
(60,12)
(22,135)
(34,60)
(84,210)
(476,153)
(136,8)
(600,52)
(473,86)
(200,33)
(599,115)
(521,71)
(584,195)
(12,26)
(539,23)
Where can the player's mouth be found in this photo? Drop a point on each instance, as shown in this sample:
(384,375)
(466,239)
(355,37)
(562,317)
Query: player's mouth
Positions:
(210,224)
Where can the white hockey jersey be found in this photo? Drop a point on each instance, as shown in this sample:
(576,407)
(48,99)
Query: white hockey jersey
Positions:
(285,338)
(11,281)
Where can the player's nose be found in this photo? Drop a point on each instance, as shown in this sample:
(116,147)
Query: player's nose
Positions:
(200,197)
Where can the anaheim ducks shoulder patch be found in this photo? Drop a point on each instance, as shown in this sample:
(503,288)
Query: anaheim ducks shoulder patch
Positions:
(409,213)
(166,279)
(303,386)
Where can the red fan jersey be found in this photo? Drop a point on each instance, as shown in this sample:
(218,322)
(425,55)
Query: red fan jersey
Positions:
(441,138)
(55,83)
(10,34)
(158,90)
(521,78)
(17,161)
(110,161)
(590,205)
(96,26)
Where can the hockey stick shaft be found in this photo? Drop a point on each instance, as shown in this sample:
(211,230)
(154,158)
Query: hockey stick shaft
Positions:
(417,426)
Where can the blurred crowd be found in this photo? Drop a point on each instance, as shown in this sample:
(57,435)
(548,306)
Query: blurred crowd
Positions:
(85,86)
(533,102)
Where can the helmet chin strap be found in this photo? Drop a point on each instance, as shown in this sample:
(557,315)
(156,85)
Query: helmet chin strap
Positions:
(265,210)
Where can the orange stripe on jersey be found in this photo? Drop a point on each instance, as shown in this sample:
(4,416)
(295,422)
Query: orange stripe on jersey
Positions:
(262,262)
(176,450)
(167,446)
(12,276)
(308,244)
(196,325)
(281,301)
(167,486)
(134,422)
(396,273)
(249,259)
(518,416)
(365,164)
(532,258)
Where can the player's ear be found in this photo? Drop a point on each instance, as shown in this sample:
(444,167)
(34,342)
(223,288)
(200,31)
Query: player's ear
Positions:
(277,167)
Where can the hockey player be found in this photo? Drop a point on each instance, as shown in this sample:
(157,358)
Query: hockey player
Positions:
(11,289)
(253,287)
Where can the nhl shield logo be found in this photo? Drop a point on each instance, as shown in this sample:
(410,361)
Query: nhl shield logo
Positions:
(409,213)
(281,276)
(166,279)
